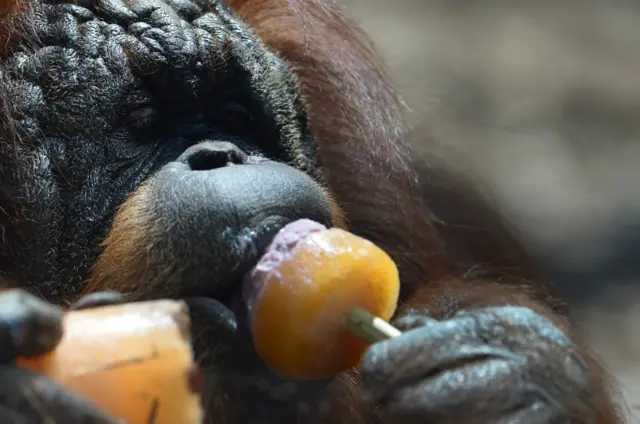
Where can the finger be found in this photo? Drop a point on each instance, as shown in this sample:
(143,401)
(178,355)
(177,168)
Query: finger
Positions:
(212,316)
(27,398)
(212,326)
(28,326)
(94,300)
(537,413)
(411,320)
(546,349)
(420,353)
(484,392)
(498,323)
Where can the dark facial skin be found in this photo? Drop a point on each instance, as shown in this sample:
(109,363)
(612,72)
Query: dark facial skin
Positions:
(116,96)
(182,100)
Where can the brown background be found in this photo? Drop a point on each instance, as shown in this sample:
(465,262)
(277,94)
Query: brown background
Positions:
(541,100)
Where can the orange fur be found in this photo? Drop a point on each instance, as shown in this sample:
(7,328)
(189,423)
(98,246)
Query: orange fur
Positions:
(356,118)
(10,6)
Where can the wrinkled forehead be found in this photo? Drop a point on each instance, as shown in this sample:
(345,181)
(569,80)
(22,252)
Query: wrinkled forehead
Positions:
(182,34)
(187,56)
(8,7)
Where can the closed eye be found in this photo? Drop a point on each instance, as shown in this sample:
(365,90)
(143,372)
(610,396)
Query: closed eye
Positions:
(142,117)
(236,112)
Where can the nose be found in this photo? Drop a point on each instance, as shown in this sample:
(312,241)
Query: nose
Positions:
(210,155)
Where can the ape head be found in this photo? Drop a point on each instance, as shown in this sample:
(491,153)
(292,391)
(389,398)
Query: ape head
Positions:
(170,98)
(154,148)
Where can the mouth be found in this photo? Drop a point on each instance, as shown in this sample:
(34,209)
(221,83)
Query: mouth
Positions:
(220,324)
(195,235)
(246,248)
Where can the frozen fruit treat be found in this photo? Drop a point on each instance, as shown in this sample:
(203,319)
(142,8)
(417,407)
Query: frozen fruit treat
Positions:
(301,292)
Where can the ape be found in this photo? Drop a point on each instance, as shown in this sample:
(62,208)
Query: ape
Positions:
(151,148)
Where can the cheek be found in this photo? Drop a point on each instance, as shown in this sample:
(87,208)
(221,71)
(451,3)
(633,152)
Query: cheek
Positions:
(123,261)
(30,218)
(29,195)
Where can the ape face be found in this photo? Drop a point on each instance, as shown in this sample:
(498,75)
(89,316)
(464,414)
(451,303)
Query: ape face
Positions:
(104,96)
(176,115)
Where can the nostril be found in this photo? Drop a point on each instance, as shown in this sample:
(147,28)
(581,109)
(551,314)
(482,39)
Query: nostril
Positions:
(212,155)
(207,159)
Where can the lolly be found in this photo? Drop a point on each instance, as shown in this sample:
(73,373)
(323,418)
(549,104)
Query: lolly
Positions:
(134,361)
(304,291)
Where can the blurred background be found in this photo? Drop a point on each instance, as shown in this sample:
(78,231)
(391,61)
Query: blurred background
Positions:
(540,100)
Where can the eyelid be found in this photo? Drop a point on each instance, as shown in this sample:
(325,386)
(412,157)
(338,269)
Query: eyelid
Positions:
(238,109)
(142,117)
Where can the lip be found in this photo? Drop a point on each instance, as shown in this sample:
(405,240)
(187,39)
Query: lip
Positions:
(222,337)
(216,223)
(226,318)
(251,244)
(225,305)
(237,368)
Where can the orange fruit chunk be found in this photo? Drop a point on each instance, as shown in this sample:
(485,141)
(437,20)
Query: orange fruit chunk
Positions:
(298,309)
(134,361)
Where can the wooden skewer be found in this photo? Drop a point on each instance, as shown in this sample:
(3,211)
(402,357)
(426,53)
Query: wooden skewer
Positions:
(369,327)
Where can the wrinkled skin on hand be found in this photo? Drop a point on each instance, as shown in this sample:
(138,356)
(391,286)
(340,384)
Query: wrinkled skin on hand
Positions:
(31,327)
(438,371)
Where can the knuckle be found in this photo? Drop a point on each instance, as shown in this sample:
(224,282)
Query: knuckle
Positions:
(522,325)
(412,321)
(28,326)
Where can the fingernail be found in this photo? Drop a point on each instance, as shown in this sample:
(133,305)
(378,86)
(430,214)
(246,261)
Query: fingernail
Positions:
(98,299)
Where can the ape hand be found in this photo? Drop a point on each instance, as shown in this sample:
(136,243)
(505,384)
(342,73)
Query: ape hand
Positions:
(491,365)
(30,327)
